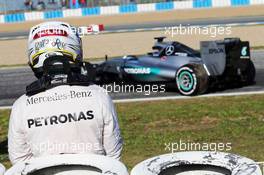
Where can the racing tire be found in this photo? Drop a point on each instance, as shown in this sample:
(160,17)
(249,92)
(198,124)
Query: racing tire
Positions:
(249,74)
(2,169)
(197,162)
(191,80)
(69,164)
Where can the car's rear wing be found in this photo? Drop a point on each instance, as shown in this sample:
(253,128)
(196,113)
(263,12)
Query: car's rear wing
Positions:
(217,55)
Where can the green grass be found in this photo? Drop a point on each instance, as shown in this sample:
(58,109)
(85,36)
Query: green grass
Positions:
(147,126)
(13,65)
(4,118)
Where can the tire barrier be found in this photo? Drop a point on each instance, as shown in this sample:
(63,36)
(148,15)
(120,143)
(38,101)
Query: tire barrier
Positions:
(197,163)
(70,164)
(2,169)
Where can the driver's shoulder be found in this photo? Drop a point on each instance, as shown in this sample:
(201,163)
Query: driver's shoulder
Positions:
(20,101)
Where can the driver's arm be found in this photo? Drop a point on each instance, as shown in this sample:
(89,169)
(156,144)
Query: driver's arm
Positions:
(112,140)
(18,148)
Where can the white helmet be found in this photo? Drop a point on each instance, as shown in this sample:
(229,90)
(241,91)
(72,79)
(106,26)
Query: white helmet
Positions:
(50,39)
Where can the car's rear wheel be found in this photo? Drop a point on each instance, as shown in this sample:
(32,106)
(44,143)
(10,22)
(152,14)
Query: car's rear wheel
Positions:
(249,74)
(191,80)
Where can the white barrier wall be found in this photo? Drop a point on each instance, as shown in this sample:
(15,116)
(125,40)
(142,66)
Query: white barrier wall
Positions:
(2,19)
(255,2)
(222,3)
(146,7)
(31,16)
(183,4)
(72,13)
(109,10)
(128,8)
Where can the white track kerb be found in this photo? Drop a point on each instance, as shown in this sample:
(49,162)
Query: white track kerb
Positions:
(187,97)
(220,163)
(74,164)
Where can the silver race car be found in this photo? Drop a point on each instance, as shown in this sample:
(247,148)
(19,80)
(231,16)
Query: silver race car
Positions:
(219,63)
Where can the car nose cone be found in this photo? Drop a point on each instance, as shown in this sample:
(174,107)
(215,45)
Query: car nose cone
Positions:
(197,163)
(75,164)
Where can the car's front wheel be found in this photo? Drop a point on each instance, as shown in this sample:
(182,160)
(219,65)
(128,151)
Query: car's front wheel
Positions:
(191,81)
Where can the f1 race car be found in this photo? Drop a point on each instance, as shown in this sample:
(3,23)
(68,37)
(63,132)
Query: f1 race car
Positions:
(219,63)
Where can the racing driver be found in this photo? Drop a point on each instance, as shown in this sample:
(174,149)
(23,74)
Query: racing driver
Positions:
(62,112)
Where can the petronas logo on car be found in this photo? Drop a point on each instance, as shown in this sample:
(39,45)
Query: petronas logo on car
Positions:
(138,70)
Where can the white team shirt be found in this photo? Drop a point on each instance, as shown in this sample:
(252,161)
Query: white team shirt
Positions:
(64,120)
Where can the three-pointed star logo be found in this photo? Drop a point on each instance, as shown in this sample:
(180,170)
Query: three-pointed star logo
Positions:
(169,50)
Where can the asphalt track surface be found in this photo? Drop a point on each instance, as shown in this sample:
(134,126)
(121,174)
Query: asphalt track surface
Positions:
(13,82)
(239,21)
